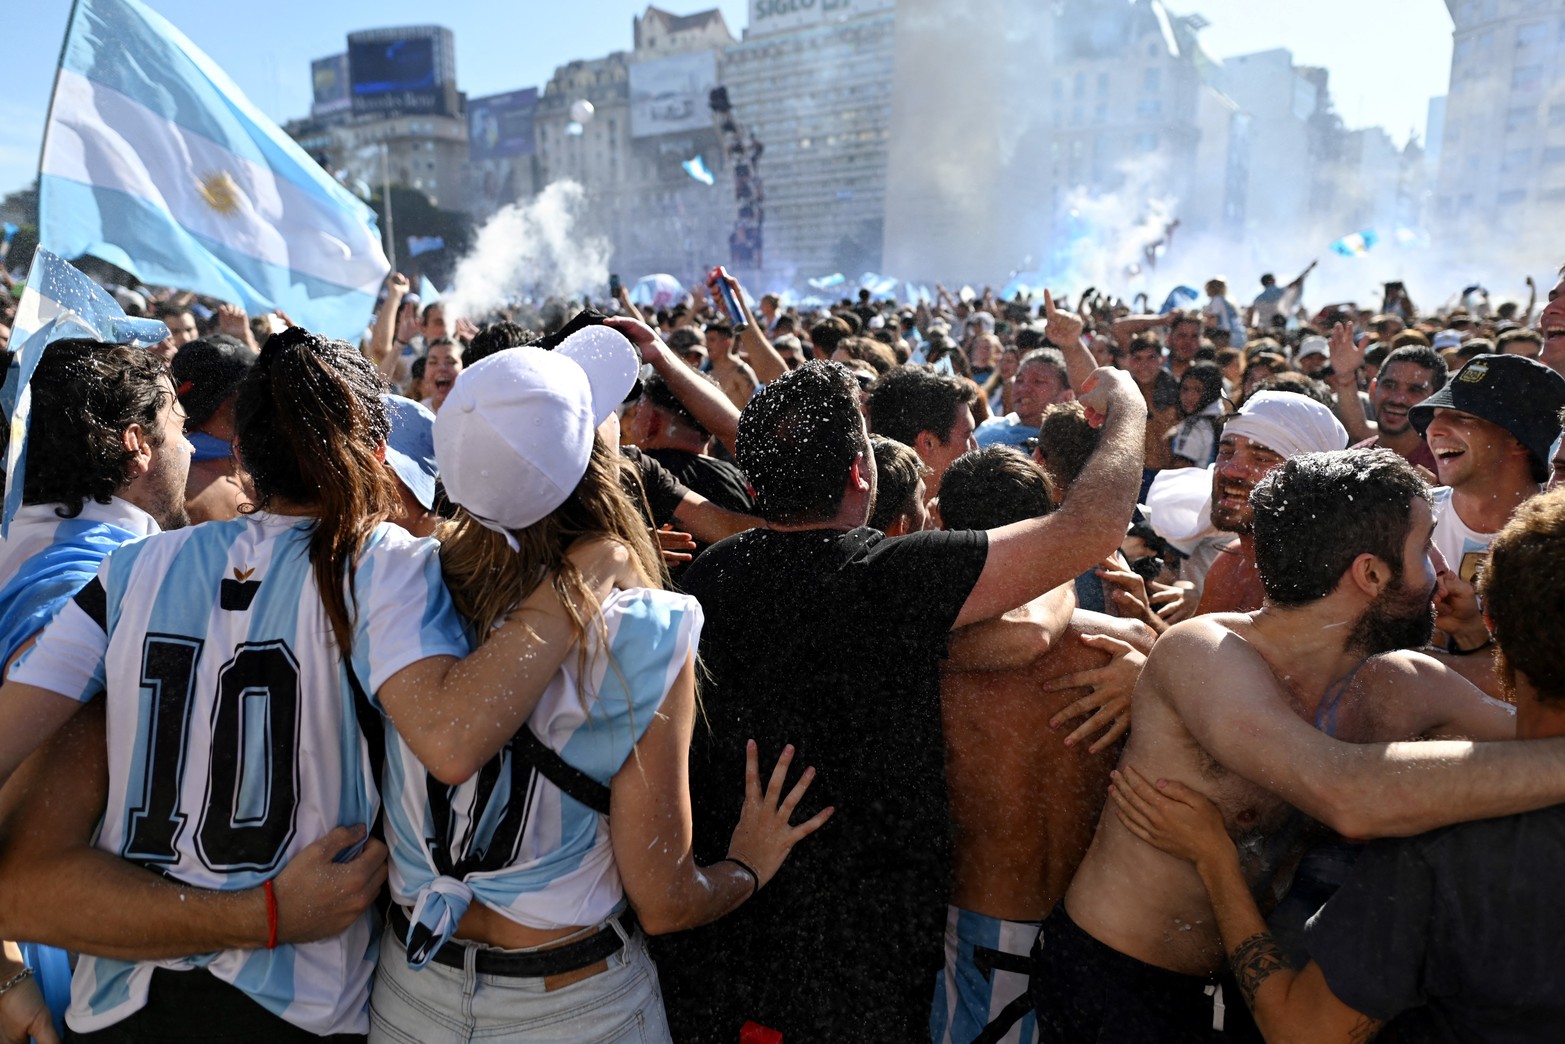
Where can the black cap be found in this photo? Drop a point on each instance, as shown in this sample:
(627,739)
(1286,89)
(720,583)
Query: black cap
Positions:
(208,371)
(1521,395)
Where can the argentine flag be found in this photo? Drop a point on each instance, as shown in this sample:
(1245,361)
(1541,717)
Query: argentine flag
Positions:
(155,161)
(58,303)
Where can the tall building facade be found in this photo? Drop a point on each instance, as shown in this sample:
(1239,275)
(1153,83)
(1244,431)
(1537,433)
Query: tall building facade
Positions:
(389,108)
(1502,150)
(812,82)
(649,118)
(1088,121)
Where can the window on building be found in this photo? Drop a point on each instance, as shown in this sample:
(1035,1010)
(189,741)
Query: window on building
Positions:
(1103,83)
(1076,116)
(1554,155)
(1557,115)
(1152,80)
(1511,198)
(1527,77)
(1149,108)
(1518,117)
(1100,113)
(1514,160)
(1146,141)
(1534,34)
(1079,88)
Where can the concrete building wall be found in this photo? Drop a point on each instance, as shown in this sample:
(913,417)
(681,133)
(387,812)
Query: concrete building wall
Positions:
(817,94)
(1502,151)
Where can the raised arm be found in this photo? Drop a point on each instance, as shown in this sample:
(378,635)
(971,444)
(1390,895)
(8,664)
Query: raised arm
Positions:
(1360,790)
(764,360)
(706,404)
(1126,327)
(57,889)
(1030,557)
(1063,330)
(456,714)
(651,826)
(1347,359)
(383,338)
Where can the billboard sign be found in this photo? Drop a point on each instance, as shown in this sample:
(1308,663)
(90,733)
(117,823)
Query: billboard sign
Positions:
(394,75)
(669,95)
(501,124)
(329,77)
(771,16)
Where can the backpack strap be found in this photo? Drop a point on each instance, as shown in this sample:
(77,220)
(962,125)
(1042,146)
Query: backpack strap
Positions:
(530,750)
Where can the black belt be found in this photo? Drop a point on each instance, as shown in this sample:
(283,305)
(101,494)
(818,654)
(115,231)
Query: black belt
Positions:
(538,964)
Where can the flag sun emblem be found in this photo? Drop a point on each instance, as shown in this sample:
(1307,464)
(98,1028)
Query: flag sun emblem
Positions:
(220,191)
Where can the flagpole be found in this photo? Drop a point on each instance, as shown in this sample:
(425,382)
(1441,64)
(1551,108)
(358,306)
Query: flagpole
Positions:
(385,194)
(48,120)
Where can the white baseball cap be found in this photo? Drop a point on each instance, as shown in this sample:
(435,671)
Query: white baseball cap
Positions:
(514,435)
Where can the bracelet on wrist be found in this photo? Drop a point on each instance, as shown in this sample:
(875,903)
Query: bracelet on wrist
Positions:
(755,878)
(271,915)
(14,981)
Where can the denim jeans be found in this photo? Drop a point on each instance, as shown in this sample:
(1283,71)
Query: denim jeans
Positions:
(441,1005)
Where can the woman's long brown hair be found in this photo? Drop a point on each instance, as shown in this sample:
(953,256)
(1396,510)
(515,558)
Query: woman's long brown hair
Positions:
(310,423)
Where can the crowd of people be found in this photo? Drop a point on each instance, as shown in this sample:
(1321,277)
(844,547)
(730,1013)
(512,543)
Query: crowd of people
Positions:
(969,670)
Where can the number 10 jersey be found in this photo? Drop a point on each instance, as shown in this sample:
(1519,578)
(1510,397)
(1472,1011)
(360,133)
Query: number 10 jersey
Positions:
(233,741)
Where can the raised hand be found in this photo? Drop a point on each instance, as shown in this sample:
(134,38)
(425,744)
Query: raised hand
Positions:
(1061,328)
(1346,356)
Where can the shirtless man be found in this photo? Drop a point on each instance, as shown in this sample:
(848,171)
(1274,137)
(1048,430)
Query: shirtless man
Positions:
(1271,714)
(1022,803)
(1269,428)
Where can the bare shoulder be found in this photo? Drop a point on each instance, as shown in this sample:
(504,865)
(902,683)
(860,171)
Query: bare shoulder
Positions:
(1201,636)
(1410,674)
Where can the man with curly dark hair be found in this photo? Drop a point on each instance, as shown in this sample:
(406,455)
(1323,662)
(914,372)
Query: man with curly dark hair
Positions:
(106,463)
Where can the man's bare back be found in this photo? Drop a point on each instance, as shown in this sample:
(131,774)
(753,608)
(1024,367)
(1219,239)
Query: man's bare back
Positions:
(1215,703)
(1023,805)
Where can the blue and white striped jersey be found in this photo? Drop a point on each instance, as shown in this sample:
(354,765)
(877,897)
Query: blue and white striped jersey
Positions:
(232,736)
(510,838)
(46,559)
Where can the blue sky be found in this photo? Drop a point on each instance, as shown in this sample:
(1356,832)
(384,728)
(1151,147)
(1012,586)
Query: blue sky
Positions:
(1387,57)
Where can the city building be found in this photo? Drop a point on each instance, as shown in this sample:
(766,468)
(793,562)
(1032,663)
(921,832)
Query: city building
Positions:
(648,118)
(812,83)
(1078,133)
(1502,150)
(389,109)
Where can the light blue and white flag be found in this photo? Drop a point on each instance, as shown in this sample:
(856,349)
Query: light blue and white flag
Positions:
(1356,244)
(427,292)
(58,303)
(425,244)
(696,168)
(1179,298)
(155,161)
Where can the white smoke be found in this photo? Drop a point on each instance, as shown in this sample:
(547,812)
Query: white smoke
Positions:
(529,251)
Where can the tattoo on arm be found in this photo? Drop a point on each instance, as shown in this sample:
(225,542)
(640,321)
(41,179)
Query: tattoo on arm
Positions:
(1364,1030)
(1254,961)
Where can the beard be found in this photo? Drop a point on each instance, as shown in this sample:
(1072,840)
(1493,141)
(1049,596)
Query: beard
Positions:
(1225,517)
(1400,618)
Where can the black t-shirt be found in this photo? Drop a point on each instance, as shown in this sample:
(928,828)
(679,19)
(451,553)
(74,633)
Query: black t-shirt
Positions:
(717,480)
(1457,934)
(831,641)
(663,491)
